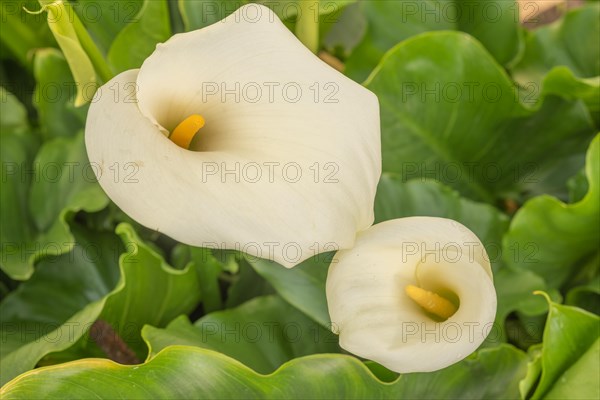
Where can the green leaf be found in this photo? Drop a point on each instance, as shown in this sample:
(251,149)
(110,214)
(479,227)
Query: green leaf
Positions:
(346,32)
(23,33)
(398,199)
(138,39)
(60,168)
(441,119)
(58,184)
(560,81)
(586,296)
(486,374)
(246,285)
(83,287)
(302,286)
(515,289)
(208,269)
(534,369)
(494,23)
(16,227)
(263,334)
(581,380)
(563,236)
(181,372)
(569,358)
(381,372)
(13,115)
(105,19)
(151,298)
(53,309)
(197,14)
(290,9)
(17,150)
(564,59)
(573,42)
(175,17)
(54,95)
(578,186)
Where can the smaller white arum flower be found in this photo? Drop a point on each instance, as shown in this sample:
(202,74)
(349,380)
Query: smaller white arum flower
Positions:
(414,294)
(236,136)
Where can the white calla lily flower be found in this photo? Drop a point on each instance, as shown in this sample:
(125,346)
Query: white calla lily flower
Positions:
(286,159)
(414,294)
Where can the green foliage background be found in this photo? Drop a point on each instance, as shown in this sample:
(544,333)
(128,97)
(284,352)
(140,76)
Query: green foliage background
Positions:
(70,257)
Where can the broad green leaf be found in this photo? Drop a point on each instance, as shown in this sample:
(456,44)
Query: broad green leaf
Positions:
(216,269)
(153,298)
(573,42)
(13,115)
(346,32)
(564,59)
(397,199)
(381,372)
(389,23)
(21,32)
(181,372)
(52,310)
(208,269)
(586,296)
(136,41)
(84,285)
(581,380)
(16,227)
(450,112)
(105,19)
(54,95)
(17,150)
(61,168)
(560,81)
(290,9)
(515,288)
(563,236)
(534,369)
(197,14)
(58,183)
(180,256)
(494,23)
(553,180)
(246,285)
(569,354)
(263,334)
(302,286)
(175,17)
(61,20)
(578,186)
(486,374)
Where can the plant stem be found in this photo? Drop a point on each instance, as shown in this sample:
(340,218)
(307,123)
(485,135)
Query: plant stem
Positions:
(307,24)
(112,344)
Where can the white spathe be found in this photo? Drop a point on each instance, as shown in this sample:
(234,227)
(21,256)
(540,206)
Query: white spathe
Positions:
(376,319)
(286,166)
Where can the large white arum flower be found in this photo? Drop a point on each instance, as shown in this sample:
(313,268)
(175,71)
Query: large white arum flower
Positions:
(286,158)
(414,294)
